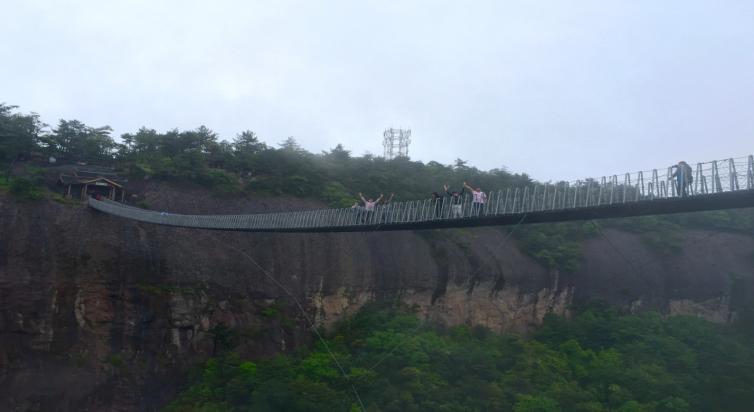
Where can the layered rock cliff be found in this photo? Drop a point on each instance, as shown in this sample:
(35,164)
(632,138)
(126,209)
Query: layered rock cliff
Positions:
(100,314)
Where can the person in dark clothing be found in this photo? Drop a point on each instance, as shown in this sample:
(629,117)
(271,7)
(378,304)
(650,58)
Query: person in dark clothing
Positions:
(357,210)
(682,172)
(385,204)
(456,202)
(437,201)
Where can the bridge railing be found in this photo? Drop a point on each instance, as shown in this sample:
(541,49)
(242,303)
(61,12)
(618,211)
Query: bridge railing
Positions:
(706,179)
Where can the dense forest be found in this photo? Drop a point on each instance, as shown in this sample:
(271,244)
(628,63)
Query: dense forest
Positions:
(243,164)
(599,360)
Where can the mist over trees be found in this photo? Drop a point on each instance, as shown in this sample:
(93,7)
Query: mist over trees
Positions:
(242,163)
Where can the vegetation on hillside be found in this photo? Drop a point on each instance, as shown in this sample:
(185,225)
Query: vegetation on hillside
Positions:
(243,164)
(246,164)
(598,361)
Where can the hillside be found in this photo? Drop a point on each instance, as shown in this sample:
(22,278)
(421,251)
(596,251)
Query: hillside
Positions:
(102,314)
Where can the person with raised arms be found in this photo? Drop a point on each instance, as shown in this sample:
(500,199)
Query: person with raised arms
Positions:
(369,205)
(456,202)
(478,201)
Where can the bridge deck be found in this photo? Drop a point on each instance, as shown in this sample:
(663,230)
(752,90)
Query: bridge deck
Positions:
(714,186)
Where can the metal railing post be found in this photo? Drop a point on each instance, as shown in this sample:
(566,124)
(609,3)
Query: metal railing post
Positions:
(655,185)
(588,199)
(566,189)
(603,183)
(338,216)
(507,199)
(544,197)
(717,187)
(698,179)
(576,192)
(498,200)
(732,175)
(554,196)
(302,219)
(291,221)
(531,202)
(669,178)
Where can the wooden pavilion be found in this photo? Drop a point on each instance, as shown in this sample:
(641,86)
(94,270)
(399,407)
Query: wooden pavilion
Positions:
(86,183)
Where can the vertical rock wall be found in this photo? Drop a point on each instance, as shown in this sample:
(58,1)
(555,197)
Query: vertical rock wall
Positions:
(98,313)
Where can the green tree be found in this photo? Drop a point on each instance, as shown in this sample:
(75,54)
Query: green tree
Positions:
(19,133)
(74,141)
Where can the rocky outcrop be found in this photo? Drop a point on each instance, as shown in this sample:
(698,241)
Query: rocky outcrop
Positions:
(98,313)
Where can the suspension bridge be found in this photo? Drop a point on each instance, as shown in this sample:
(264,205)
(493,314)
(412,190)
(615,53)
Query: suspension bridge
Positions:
(715,185)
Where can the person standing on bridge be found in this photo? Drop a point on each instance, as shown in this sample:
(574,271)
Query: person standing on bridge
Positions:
(477,203)
(682,172)
(456,202)
(356,210)
(437,202)
(388,200)
(369,205)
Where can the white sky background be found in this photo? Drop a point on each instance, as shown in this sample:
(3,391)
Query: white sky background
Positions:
(557,89)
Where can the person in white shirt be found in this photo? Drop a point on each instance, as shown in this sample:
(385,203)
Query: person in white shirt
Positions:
(369,205)
(477,203)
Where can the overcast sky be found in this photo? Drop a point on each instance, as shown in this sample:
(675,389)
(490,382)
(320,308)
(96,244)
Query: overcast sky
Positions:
(561,89)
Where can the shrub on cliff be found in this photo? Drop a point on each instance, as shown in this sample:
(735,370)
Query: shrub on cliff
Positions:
(25,189)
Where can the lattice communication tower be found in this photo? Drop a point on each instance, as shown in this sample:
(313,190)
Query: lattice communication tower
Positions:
(395,142)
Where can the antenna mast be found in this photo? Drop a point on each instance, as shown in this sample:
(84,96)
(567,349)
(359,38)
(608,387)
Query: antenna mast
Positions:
(395,142)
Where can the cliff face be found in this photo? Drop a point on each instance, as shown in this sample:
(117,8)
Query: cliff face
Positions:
(98,313)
